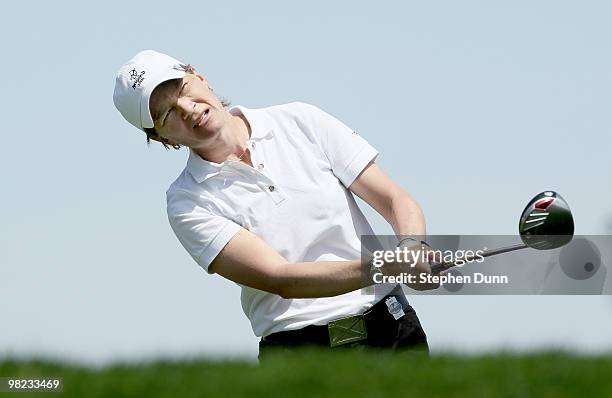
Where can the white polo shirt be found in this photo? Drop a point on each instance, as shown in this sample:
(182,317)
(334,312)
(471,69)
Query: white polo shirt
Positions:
(295,198)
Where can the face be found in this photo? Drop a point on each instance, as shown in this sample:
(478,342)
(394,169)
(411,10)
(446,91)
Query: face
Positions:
(186,112)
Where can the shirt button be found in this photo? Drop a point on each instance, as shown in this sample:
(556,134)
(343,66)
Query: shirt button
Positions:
(271,188)
(260,166)
(252,145)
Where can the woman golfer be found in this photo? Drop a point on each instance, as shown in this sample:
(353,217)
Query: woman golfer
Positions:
(266,200)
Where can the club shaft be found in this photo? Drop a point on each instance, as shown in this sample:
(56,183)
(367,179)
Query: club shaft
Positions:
(437,268)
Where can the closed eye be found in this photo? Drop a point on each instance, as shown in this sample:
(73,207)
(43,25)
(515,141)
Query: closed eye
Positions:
(182,88)
(166,116)
(170,110)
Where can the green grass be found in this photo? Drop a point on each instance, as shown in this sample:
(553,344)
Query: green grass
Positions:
(340,374)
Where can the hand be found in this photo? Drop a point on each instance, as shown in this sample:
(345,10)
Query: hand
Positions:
(416,261)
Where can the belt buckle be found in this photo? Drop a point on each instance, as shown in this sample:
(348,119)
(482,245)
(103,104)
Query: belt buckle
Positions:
(347,330)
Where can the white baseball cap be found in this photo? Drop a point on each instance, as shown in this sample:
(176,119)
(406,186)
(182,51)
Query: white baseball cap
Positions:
(137,79)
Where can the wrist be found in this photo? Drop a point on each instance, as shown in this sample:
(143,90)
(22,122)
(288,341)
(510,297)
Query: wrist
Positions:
(409,241)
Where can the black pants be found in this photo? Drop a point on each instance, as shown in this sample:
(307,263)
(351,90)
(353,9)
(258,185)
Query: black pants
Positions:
(383,331)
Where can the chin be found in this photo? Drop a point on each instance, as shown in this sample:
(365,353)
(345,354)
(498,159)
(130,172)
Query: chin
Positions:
(210,133)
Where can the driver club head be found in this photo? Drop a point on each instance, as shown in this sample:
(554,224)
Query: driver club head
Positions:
(546,222)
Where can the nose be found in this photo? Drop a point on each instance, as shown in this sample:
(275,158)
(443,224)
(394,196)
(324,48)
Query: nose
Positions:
(186,107)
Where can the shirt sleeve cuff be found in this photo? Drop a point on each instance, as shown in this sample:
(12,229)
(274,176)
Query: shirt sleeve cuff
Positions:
(367,154)
(218,243)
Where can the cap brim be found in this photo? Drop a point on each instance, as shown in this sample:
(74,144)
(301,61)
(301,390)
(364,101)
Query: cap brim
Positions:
(145,113)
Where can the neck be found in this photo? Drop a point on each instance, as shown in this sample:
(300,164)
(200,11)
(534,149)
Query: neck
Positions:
(231,144)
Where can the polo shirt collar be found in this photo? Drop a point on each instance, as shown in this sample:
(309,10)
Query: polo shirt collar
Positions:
(261,127)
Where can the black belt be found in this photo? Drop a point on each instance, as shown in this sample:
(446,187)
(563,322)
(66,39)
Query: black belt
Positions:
(346,330)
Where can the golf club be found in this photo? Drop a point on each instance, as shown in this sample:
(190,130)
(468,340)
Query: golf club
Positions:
(546,223)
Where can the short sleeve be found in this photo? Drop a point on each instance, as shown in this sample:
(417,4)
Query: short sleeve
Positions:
(348,152)
(202,233)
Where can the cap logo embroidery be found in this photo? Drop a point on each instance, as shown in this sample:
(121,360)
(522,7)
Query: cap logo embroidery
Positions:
(136,78)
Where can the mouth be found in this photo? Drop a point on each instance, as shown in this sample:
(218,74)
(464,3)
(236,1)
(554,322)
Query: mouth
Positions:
(202,119)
